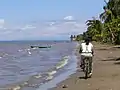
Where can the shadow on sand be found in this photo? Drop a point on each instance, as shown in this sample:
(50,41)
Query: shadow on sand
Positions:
(112,59)
(82,77)
(117,60)
(116,47)
(117,63)
(102,49)
(109,48)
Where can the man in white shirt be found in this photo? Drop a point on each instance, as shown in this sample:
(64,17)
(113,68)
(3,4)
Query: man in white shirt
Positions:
(86,50)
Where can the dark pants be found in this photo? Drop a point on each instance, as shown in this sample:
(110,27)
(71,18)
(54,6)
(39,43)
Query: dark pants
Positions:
(90,64)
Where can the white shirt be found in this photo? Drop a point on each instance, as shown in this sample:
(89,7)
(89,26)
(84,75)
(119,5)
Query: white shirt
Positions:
(86,49)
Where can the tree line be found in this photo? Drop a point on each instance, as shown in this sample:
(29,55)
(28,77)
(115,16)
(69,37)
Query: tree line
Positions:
(106,28)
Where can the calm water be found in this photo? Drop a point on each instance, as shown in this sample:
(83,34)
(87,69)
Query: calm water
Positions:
(20,63)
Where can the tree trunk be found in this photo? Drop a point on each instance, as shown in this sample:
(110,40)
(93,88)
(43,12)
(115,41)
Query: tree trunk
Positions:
(113,36)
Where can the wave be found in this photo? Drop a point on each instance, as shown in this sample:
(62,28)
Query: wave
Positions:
(63,62)
(45,76)
(52,72)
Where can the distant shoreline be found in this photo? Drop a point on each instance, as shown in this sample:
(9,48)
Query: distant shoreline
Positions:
(34,40)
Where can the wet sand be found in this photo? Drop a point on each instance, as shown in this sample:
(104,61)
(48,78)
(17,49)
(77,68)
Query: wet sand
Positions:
(106,72)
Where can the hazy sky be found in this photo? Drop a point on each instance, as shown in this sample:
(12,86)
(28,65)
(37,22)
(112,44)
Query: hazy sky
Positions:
(30,19)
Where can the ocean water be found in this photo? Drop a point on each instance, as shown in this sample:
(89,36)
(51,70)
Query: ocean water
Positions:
(26,68)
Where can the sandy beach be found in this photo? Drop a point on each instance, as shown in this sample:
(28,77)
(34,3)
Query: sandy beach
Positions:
(106,72)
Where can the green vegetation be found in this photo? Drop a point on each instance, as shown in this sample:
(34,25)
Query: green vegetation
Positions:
(106,29)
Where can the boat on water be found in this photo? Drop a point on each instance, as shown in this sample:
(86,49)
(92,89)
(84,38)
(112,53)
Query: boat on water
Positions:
(40,46)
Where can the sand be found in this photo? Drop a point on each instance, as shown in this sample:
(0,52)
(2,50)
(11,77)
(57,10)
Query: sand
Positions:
(106,72)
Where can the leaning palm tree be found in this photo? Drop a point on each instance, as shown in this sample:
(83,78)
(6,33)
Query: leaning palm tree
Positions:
(114,6)
(94,28)
(107,15)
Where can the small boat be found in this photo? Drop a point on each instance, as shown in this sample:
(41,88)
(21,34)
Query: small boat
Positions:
(40,46)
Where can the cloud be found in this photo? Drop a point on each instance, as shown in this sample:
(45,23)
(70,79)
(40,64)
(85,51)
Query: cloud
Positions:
(57,29)
(69,18)
(2,22)
(28,27)
(63,28)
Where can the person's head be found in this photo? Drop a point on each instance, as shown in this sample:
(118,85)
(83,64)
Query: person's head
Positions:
(87,41)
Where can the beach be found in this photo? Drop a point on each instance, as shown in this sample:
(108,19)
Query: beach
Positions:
(106,71)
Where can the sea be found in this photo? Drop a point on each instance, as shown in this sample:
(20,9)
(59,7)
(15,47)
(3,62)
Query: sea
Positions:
(26,68)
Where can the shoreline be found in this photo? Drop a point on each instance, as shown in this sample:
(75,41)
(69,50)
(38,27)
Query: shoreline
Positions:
(106,72)
(73,74)
(31,82)
(53,83)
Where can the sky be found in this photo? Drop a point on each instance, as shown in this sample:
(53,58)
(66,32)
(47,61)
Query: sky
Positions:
(45,19)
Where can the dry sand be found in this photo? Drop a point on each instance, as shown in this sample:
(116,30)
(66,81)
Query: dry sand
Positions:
(106,72)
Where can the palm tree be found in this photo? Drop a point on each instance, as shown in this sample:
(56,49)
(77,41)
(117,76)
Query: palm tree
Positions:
(108,16)
(114,6)
(94,28)
(108,27)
